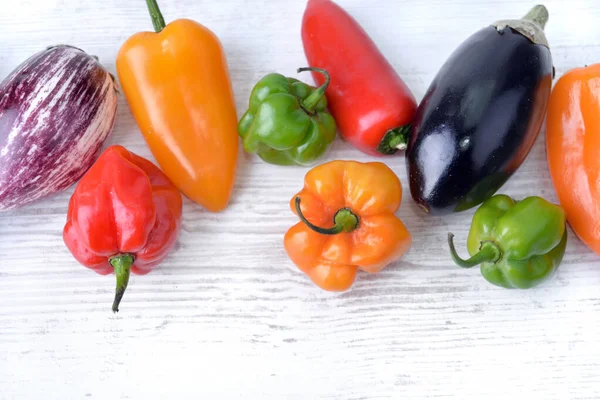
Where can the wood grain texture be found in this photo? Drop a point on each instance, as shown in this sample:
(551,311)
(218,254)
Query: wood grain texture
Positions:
(227,316)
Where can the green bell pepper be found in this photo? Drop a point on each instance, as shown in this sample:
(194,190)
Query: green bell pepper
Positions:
(286,122)
(518,244)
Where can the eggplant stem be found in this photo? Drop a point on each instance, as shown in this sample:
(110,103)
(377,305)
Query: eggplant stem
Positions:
(538,15)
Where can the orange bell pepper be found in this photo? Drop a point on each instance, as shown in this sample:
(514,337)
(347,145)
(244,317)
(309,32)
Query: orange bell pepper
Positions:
(347,223)
(177,84)
(572,144)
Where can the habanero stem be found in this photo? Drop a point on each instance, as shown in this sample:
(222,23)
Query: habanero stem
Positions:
(344,220)
(122,265)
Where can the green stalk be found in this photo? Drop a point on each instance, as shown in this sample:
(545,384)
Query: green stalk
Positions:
(489,252)
(531,25)
(122,265)
(311,101)
(157,18)
(538,15)
(394,140)
(344,220)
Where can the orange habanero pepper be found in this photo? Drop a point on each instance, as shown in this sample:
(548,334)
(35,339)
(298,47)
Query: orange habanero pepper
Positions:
(359,200)
(572,147)
(177,84)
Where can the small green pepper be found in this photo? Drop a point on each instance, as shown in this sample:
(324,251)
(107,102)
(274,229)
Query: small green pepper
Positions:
(286,122)
(518,244)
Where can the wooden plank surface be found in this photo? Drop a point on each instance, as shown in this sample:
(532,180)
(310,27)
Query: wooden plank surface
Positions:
(228,316)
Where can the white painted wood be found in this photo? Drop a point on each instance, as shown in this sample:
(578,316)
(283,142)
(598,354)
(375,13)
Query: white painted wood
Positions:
(228,316)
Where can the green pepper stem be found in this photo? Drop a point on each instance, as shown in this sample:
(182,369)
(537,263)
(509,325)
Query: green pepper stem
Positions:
(344,220)
(122,265)
(489,251)
(157,19)
(311,101)
(538,15)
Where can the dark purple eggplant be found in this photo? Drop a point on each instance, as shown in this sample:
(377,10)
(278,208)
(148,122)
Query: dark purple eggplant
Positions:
(481,115)
(56,110)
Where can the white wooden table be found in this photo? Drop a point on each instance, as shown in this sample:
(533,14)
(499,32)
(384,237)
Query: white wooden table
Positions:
(228,316)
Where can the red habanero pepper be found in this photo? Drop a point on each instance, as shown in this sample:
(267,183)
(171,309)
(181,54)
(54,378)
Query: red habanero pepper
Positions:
(370,103)
(123,216)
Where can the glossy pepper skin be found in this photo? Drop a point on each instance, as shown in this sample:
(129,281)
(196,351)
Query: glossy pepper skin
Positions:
(370,103)
(518,244)
(481,115)
(347,223)
(572,144)
(286,122)
(124,216)
(177,84)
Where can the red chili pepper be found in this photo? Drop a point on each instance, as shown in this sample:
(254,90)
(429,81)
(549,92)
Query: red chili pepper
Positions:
(372,106)
(123,216)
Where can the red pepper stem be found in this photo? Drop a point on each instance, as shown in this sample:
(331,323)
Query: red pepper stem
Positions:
(344,220)
(394,140)
(313,99)
(157,19)
(488,252)
(122,265)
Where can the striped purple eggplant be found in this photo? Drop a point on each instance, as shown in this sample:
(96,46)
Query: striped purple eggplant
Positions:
(56,110)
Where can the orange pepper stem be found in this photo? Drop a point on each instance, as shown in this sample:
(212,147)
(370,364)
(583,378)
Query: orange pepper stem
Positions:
(157,18)
(122,265)
(489,252)
(311,101)
(344,220)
